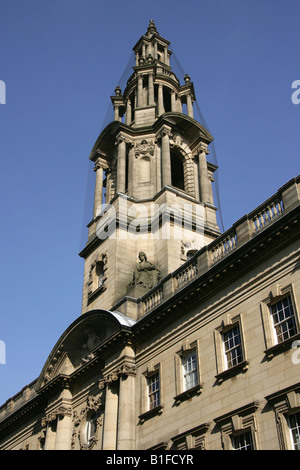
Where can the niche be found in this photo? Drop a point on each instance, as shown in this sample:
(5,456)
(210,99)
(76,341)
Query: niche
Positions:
(145,170)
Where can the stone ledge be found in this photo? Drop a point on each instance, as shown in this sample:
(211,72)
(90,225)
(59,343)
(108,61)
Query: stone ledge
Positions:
(233,371)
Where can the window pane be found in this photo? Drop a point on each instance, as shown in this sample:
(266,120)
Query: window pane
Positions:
(190,374)
(283,319)
(242,441)
(153,391)
(233,346)
(91,427)
(294,422)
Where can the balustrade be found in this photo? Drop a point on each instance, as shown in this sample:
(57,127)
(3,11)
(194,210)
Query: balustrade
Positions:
(185,275)
(266,214)
(153,298)
(225,245)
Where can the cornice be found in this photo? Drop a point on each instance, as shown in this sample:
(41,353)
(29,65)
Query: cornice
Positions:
(35,403)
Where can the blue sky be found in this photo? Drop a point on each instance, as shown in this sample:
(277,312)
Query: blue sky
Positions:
(61,61)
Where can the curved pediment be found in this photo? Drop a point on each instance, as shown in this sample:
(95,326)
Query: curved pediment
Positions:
(187,125)
(75,346)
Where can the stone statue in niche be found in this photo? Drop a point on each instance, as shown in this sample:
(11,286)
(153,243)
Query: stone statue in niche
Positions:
(91,342)
(145,273)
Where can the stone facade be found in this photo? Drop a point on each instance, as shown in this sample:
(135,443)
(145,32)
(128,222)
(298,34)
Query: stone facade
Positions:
(186,341)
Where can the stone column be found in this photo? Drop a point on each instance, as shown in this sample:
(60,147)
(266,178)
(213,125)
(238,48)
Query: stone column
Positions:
(121,165)
(205,190)
(110,416)
(166,157)
(64,429)
(126,415)
(166,55)
(155,50)
(150,90)
(128,112)
(50,422)
(137,56)
(116,111)
(161,109)
(98,168)
(189,104)
(179,105)
(140,91)
(173,101)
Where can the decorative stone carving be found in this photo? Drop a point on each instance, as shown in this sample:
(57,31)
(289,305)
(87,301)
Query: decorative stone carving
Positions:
(145,273)
(177,140)
(202,148)
(144,148)
(123,371)
(188,248)
(58,413)
(93,403)
(97,273)
(126,370)
(91,342)
(165,131)
(54,365)
(100,164)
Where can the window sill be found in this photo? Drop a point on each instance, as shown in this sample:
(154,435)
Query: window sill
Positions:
(150,413)
(229,373)
(95,293)
(188,394)
(281,347)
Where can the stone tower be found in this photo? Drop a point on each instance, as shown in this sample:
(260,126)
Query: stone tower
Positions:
(153,204)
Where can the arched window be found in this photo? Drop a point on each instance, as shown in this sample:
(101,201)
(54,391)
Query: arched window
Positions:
(91,428)
(100,273)
(177,173)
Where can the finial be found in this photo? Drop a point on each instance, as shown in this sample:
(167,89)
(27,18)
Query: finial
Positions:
(118,90)
(151,28)
(187,78)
